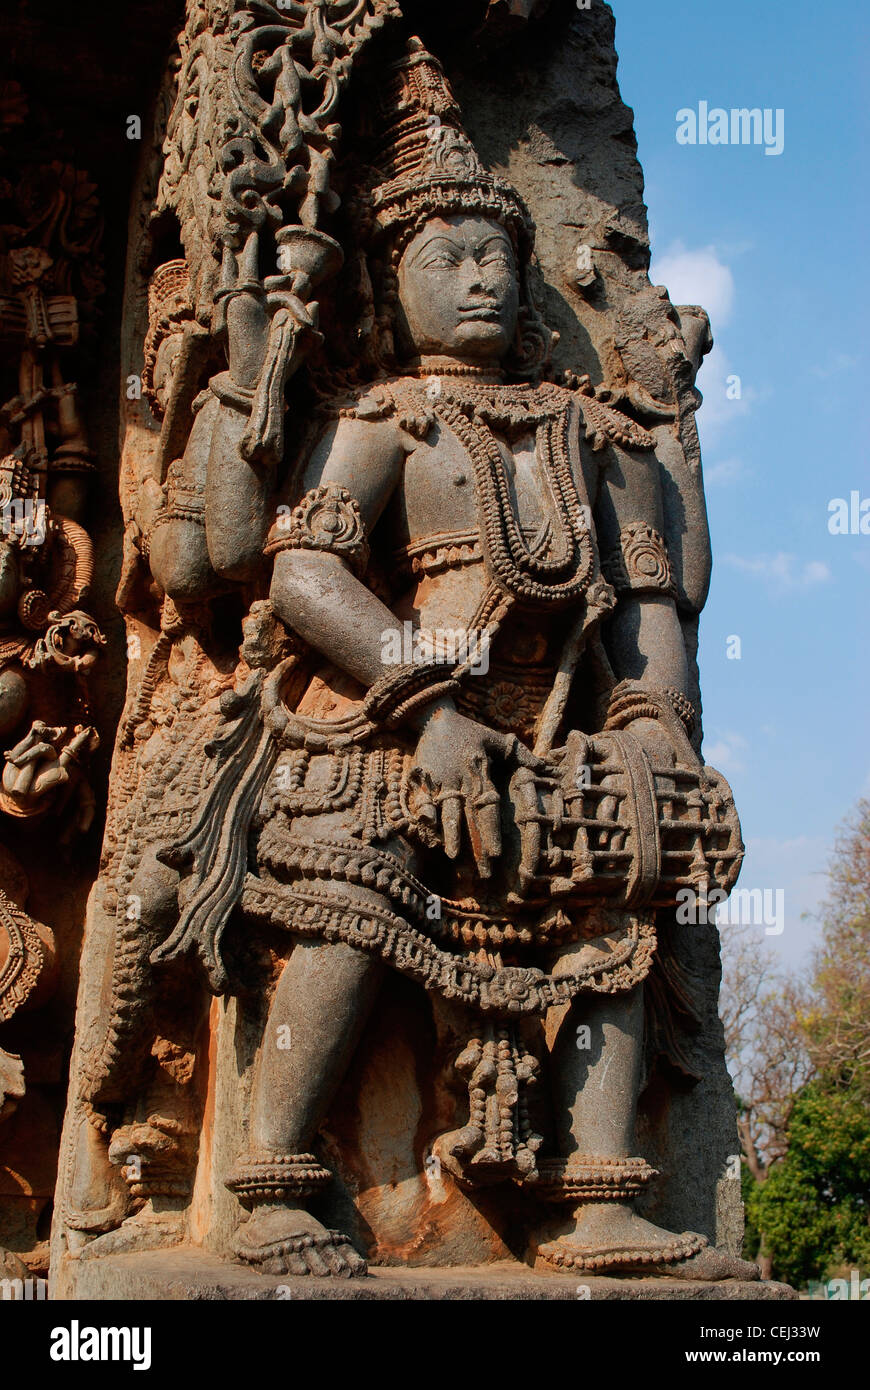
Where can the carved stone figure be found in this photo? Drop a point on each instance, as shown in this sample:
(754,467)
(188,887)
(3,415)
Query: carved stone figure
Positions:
(48,644)
(412,685)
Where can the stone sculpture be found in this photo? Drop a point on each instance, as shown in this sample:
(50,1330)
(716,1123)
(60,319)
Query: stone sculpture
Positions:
(412,681)
(49,267)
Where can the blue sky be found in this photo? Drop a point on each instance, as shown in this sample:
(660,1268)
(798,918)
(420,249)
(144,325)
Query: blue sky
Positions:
(775,248)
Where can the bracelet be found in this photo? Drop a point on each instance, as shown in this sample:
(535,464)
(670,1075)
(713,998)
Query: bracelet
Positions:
(407,688)
(629,702)
(593,1178)
(230,393)
(684,708)
(275,1177)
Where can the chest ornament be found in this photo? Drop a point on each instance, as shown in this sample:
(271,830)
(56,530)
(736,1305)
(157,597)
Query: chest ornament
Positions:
(558,566)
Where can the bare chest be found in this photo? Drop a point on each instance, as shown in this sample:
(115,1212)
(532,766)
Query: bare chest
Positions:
(440,494)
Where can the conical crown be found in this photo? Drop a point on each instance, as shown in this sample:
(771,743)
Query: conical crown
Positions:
(424,164)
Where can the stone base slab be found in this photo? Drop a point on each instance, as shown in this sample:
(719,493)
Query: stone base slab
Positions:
(189,1274)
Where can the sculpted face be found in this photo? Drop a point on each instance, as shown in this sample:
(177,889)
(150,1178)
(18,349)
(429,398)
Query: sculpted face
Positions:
(164,367)
(458,289)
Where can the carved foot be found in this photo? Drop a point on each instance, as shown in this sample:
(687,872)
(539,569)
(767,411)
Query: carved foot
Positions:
(712,1264)
(613,1239)
(147,1230)
(289,1240)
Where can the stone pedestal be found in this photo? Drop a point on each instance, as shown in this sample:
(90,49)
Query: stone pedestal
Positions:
(190,1274)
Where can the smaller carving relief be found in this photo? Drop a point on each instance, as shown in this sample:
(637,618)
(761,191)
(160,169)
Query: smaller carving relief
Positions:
(49,282)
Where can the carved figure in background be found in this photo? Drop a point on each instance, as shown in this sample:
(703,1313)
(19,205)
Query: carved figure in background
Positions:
(49,268)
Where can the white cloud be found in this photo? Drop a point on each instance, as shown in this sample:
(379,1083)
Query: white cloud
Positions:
(724,471)
(719,409)
(696,277)
(725,750)
(702,277)
(839,362)
(783,573)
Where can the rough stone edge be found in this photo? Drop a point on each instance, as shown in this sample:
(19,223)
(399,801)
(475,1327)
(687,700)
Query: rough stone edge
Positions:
(190,1275)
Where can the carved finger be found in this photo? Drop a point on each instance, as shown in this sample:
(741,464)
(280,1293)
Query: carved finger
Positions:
(289,1263)
(355,1263)
(483,814)
(334,1257)
(524,795)
(450,801)
(510,748)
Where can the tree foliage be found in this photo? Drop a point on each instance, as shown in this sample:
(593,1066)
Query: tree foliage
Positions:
(813,1207)
(799,1052)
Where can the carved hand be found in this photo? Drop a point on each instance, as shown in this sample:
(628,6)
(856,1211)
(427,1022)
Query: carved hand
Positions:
(454,751)
(665,746)
(250,316)
(656,740)
(664,738)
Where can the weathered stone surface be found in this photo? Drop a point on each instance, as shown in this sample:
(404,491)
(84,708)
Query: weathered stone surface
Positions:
(186,1274)
(382,952)
(50,287)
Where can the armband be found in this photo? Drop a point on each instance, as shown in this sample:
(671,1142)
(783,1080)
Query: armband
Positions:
(328,518)
(640,564)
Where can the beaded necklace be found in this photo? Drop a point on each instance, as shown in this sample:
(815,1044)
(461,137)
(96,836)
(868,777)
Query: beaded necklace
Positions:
(559,570)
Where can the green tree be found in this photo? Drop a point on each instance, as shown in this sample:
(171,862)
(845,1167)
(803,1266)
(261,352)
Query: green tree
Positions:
(799,1053)
(814,1207)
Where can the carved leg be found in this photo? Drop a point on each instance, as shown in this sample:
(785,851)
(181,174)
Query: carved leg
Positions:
(596,1102)
(128,1184)
(323,999)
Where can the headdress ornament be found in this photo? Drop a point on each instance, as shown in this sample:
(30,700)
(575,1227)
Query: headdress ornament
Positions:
(169,307)
(424,165)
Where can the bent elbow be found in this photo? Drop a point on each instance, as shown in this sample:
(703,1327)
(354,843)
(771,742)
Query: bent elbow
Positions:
(180,561)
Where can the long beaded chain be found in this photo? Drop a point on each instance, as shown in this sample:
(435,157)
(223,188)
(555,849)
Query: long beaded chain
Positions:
(564,570)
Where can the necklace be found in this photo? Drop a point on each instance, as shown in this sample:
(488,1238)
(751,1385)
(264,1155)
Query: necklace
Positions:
(474,411)
(451,366)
